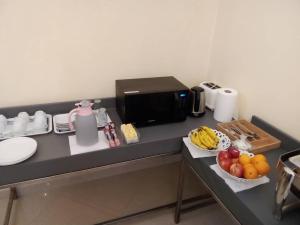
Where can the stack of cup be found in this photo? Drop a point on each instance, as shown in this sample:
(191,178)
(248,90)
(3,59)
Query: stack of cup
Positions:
(20,123)
(3,124)
(40,121)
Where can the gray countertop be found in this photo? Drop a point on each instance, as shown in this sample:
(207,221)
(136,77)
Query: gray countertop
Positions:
(53,157)
(53,154)
(253,206)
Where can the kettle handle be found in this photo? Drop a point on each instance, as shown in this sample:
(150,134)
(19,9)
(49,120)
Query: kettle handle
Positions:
(69,118)
(196,92)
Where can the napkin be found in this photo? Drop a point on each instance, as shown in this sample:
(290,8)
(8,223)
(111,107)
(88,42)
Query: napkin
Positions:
(195,152)
(237,186)
(78,149)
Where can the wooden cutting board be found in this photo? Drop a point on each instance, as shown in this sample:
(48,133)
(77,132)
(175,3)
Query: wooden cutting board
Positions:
(262,141)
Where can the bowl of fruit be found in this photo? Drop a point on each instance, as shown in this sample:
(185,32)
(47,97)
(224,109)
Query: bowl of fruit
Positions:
(205,138)
(242,165)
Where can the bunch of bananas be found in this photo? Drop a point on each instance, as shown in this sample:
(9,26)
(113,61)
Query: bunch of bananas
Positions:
(205,138)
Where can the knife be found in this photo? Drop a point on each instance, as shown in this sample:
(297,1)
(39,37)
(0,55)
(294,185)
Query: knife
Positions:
(247,131)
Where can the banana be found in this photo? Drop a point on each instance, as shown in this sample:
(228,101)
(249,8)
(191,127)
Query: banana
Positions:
(212,142)
(208,139)
(204,142)
(195,139)
(198,142)
(205,138)
(201,145)
(211,133)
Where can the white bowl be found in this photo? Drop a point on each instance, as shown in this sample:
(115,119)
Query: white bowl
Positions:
(238,178)
(224,141)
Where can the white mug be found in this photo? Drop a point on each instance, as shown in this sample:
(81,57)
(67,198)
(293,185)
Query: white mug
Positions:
(40,121)
(40,113)
(24,116)
(19,126)
(2,118)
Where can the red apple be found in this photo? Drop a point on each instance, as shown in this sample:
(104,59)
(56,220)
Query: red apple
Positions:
(236,169)
(223,155)
(235,160)
(233,152)
(225,164)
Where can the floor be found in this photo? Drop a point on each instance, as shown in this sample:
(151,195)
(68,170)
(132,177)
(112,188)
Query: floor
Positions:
(210,215)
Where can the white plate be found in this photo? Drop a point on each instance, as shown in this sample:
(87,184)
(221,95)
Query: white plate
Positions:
(224,141)
(16,150)
(238,178)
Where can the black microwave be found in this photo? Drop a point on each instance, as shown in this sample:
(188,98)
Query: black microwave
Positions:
(148,101)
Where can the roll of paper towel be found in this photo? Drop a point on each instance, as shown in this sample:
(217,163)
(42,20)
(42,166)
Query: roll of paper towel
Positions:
(225,104)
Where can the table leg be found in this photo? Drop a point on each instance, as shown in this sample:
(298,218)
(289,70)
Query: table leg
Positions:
(180,187)
(11,195)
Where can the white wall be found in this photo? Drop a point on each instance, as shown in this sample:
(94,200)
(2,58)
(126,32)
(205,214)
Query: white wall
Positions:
(67,49)
(56,50)
(256,49)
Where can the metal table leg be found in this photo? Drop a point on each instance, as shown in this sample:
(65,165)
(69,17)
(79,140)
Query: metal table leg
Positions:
(180,187)
(11,195)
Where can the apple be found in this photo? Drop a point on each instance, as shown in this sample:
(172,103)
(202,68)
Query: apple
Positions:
(223,155)
(235,160)
(236,169)
(225,164)
(233,152)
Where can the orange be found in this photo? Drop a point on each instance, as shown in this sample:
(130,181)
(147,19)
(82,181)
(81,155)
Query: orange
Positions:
(247,165)
(258,158)
(262,167)
(250,172)
(244,159)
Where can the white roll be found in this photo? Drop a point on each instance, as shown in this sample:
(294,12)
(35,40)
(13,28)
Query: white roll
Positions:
(225,104)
